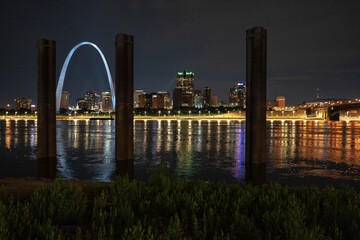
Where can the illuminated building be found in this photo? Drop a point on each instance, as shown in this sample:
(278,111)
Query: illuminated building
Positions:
(65,97)
(159,100)
(237,95)
(22,103)
(94,99)
(106,103)
(137,94)
(163,99)
(207,97)
(145,100)
(198,99)
(281,101)
(214,101)
(198,102)
(83,104)
(183,94)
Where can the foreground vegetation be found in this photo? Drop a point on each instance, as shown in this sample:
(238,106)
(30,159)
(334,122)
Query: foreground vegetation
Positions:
(165,208)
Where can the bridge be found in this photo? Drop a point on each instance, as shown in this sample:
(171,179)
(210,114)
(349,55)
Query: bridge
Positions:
(334,111)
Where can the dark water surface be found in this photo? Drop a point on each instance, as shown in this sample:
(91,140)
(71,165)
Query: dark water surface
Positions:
(297,152)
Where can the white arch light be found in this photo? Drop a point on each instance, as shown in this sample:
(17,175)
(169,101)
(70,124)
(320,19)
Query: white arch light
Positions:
(64,68)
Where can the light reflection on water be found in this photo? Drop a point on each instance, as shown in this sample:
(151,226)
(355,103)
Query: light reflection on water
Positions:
(212,150)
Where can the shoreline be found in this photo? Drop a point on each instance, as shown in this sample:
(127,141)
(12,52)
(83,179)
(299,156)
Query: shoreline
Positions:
(189,118)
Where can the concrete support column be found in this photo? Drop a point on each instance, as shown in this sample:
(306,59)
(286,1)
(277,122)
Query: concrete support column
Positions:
(256,105)
(124,84)
(46,127)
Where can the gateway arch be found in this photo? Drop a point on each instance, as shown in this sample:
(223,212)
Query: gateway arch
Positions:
(60,84)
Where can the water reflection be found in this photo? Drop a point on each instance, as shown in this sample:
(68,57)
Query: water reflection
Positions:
(213,150)
(328,149)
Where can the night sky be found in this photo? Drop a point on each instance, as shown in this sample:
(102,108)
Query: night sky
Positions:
(311,44)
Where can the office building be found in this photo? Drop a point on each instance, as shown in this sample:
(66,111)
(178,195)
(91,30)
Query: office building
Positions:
(65,98)
(281,102)
(94,99)
(183,94)
(83,104)
(163,99)
(22,103)
(159,100)
(198,101)
(106,102)
(207,97)
(237,95)
(145,100)
(213,102)
(137,94)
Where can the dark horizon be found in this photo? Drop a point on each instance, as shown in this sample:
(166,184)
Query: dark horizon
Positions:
(310,45)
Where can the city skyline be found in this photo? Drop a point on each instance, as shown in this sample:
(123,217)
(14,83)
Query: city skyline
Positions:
(310,45)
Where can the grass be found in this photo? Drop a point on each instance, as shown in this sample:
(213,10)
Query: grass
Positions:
(165,208)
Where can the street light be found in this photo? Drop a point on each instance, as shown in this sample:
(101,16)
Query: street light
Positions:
(282,113)
(178,113)
(159,113)
(7,113)
(168,113)
(25,114)
(199,113)
(189,113)
(35,113)
(15,114)
(293,113)
(145,113)
(272,113)
(209,113)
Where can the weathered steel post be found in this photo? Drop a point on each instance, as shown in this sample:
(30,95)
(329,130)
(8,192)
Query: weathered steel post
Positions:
(124,82)
(46,125)
(256,105)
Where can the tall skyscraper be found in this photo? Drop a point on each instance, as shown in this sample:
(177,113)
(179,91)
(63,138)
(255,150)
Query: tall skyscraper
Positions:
(94,99)
(107,105)
(207,97)
(137,94)
(183,94)
(237,95)
(65,98)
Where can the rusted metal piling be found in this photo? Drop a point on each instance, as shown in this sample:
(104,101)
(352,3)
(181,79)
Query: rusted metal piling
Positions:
(46,125)
(256,105)
(124,82)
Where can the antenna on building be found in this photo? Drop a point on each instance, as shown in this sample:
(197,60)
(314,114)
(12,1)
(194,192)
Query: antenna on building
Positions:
(317,93)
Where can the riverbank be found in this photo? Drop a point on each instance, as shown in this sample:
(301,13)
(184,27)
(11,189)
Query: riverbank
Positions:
(220,117)
(165,208)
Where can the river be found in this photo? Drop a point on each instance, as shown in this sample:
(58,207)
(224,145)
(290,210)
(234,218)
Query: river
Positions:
(301,152)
